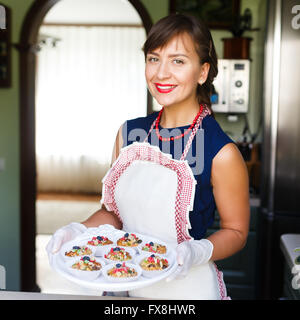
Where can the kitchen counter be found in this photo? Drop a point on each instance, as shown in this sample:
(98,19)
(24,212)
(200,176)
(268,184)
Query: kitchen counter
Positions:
(288,244)
(291,286)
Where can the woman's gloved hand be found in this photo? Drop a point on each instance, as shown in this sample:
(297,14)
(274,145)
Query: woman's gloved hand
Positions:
(63,235)
(189,253)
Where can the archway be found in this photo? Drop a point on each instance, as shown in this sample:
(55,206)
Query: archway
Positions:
(27,49)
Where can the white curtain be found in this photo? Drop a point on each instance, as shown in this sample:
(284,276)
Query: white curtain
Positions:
(86,87)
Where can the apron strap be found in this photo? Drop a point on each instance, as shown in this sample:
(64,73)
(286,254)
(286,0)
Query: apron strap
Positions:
(198,124)
(204,113)
(151,128)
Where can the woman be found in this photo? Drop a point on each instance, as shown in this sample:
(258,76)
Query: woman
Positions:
(183,167)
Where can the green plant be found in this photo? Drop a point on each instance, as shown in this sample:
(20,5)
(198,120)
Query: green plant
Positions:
(241,23)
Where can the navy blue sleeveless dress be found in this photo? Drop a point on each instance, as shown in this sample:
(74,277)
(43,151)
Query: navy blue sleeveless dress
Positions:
(202,216)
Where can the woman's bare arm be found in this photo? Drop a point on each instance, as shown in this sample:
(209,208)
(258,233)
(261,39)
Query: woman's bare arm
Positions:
(102,216)
(231,191)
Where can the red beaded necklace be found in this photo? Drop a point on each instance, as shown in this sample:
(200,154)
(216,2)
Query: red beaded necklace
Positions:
(181,135)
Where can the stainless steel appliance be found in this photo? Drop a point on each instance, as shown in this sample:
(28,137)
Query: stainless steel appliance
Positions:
(231,86)
(280,190)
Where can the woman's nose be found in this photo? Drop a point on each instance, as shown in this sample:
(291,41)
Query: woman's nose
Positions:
(163,70)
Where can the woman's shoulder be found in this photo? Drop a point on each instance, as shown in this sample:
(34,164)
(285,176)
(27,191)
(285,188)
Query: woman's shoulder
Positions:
(142,122)
(209,122)
(215,135)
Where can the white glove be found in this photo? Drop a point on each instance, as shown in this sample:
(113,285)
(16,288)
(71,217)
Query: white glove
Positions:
(189,253)
(102,228)
(63,235)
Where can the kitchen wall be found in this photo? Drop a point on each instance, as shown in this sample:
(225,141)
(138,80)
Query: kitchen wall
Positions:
(9,122)
(9,150)
(235,129)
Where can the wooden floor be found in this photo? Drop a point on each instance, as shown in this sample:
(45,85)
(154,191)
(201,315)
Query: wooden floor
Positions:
(68,196)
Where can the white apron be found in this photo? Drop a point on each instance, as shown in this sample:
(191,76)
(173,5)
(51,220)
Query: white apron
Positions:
(152,194)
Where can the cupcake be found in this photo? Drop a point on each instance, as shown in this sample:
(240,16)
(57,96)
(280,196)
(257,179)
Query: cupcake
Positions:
(129,240)
(78,251)
(154,248)
(87,263)
(122,271)
(154,263)
(86,268)
(118,254)
(99,241)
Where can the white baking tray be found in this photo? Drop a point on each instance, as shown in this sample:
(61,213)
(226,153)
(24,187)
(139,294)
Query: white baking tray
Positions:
(60,265)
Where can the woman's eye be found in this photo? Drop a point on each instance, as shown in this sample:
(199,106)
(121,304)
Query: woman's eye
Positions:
(152,59)
(178,61)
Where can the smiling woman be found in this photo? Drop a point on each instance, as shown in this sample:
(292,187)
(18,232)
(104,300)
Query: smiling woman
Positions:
(173,73)
(150,191)
(188,55)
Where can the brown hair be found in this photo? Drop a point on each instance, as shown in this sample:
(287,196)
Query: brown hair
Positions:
(175,24)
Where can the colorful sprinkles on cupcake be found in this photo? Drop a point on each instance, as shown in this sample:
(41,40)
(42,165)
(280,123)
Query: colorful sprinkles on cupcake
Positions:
(122,271)
(129,240)
(78,251)
(154,247)
(118,254)
(99,241)
(87,264)
(154,262)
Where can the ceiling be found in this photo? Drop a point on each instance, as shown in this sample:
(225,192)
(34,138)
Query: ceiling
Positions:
(93,11)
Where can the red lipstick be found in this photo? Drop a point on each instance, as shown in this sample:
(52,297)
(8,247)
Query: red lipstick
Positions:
(165,88)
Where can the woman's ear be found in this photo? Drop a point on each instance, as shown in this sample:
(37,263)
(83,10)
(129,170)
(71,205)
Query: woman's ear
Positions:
(204,73)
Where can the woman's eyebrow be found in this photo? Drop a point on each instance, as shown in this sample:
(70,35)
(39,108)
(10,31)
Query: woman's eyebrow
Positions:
(178,54)
(170,55)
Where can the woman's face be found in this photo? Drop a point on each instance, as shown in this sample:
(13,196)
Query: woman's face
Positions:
(174,71)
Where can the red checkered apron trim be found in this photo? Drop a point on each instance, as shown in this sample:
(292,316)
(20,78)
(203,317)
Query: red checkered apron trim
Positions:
(222,287)
(146,152)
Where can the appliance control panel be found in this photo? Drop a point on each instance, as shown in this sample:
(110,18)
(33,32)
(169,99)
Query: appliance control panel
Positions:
(231,86)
